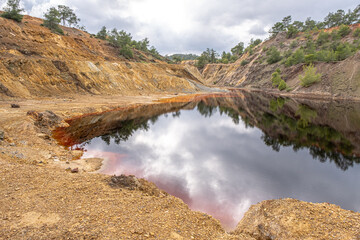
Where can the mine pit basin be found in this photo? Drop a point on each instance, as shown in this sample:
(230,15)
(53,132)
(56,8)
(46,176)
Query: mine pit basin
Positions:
(221,153)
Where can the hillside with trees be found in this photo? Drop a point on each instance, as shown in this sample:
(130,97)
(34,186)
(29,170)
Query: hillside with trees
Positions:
(126,44)
(55,18)
(179,57)
(310,56)
(292,29)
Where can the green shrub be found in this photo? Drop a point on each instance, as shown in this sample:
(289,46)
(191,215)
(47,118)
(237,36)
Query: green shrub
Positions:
(277,81)
(335,36)
(356,44)
(310,47)
(273,55)
(296,58)
(310,58)
(334,45)
(310,76)
(12,15)
(322,38)
(126,52)
(343,51)
(282,85)
(344,30)
(244,62)
(294,44)
(308,35)
(251,51)
(356,33)
(288,53)
(325,56)
(13,10)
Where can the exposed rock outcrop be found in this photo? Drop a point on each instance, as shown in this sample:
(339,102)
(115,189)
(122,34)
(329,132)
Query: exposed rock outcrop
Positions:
(294,219)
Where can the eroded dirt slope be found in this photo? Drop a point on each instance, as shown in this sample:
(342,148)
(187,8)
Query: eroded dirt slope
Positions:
(38,63)
(339,79)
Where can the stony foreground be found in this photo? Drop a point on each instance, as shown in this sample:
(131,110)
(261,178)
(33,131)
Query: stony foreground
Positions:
(39,199)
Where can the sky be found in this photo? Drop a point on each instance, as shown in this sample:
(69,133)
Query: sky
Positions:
(190,26)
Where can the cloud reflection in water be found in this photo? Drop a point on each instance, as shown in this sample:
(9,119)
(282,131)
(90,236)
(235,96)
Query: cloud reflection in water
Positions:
(222,168)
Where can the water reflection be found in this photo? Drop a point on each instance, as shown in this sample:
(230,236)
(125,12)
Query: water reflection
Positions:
(221,154)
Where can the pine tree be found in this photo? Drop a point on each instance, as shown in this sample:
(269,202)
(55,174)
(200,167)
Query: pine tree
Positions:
(66,14)
(52,20)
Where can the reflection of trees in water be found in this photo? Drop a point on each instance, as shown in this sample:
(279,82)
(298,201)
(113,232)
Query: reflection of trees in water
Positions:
(206,110)
(341,160)
(209,110)
(127,129)
(306,115)
(324,143)
(276,104)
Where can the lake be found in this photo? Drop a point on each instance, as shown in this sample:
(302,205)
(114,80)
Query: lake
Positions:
(221,153)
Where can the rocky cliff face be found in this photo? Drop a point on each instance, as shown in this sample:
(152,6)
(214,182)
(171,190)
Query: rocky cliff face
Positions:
(340,78)
(36,62)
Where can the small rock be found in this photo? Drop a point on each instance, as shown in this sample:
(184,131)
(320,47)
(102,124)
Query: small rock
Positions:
(20,156)
(12,145)
(43,136)
(14,105)
(2,135)
(75,170)
(129,182)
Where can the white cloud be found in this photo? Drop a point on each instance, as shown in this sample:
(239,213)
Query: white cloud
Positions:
(190,26)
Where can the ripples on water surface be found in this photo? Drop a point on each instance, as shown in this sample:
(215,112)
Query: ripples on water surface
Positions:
(222,153)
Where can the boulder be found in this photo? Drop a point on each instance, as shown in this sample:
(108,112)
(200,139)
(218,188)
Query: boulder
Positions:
(294,219)
(46,119)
